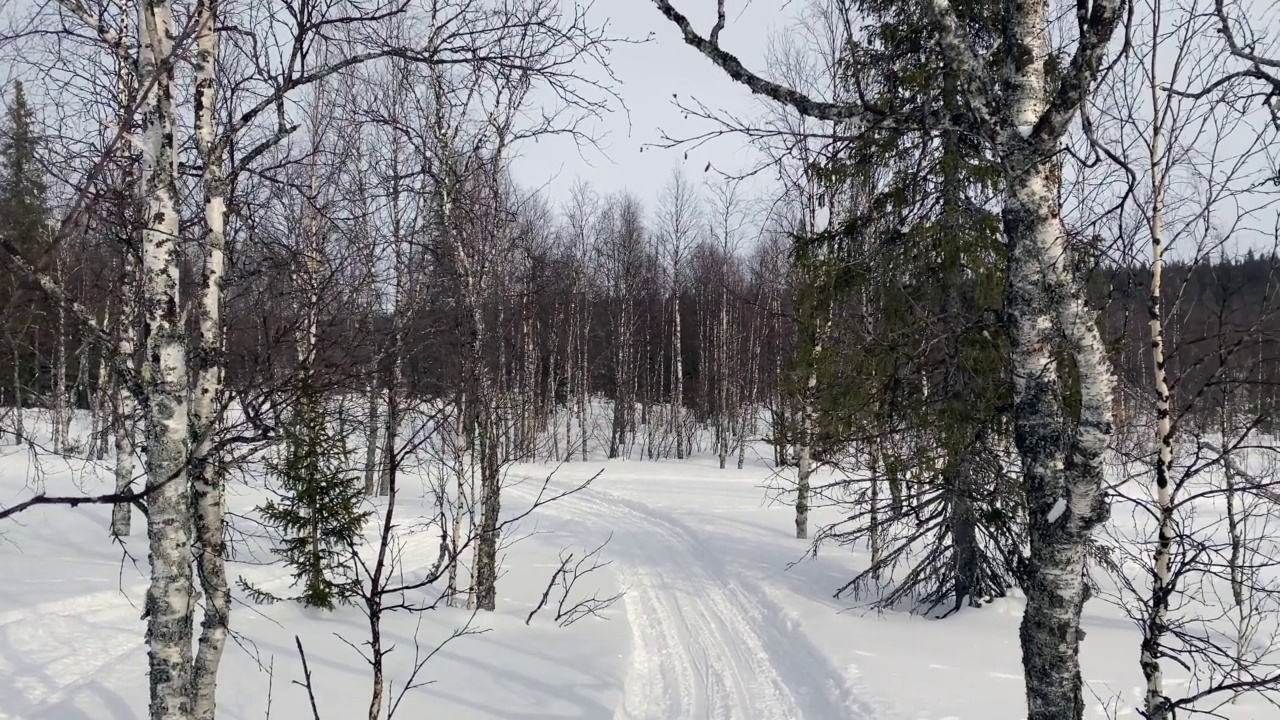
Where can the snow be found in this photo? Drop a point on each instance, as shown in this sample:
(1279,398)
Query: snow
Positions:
(723,617)
(1056,511)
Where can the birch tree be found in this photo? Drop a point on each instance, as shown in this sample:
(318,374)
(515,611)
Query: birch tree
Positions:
(1157,159)
(728,226)
(621,261)
(169,597)
(206,480)
(1186,172)
(676,228)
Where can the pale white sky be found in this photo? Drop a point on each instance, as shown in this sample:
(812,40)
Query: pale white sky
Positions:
(649,73)
(647,76)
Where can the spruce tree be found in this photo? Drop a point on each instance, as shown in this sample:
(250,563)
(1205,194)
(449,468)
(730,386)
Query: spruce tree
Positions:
(927,379)
(319,514)
(24,215)
(24,220)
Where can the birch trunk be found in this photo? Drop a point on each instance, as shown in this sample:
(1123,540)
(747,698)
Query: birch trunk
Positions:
(372,428)
(1161,583)
(747,408)
(677,369)
(100,405)
(61,410)
(623,367)
(396,369)
(808,422)
(1062,463)
(19,432)
(125,406)
(486,565)
(169,598)
(207,483)
(460,506)
(553,381)
(569,377)
(816,326)
(804,464)
(584,378)
(1063,474)
(483,444)
(1237,515)
(530,370)
(722,369)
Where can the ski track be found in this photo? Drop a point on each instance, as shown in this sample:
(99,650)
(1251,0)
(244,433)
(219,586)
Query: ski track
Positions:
(50,650)
(703,646)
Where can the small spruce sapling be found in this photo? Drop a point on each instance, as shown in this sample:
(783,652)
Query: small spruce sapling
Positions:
(319,513)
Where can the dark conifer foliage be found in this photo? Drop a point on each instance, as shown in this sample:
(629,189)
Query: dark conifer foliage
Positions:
(320,514)
(24,221)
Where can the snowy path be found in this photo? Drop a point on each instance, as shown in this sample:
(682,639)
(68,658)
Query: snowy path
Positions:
(84,645)
(704,645)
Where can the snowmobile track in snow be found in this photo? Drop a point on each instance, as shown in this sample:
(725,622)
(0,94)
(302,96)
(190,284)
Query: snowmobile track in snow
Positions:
(703,646)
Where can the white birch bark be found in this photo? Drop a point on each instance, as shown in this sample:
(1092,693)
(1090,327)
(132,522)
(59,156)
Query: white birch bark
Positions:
(1161,584)
(74,392)
(552,383)
(818,326)
(471,265)
(570,376)
(390,430)
(373,425)
(19,431)
(60,405)
(677,366)
(372,431)
(101,405)
(1238,563)
(1063,473)
(678,218)
(169,601)
(529,373)
(726,405)
(747,404)
(481,450)
(125,406)
(459,441)
(207,482)
(584,377)
(1063,470)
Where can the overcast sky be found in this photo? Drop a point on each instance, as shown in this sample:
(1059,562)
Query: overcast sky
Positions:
(648,74)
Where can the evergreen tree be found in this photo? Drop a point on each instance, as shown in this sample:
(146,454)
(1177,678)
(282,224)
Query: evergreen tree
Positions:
(24,219)
(926,382)
(22,184)
(319,514)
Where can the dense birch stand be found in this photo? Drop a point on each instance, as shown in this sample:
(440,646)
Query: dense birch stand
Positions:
(1023,120)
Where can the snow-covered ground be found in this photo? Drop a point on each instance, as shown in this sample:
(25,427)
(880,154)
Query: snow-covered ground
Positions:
(717,621)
